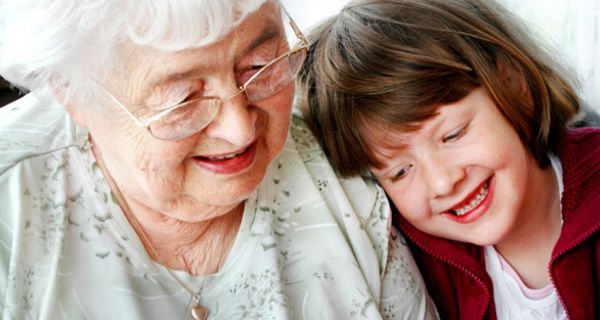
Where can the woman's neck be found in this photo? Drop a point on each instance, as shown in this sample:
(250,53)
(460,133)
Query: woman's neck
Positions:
(528,248)
(195,247)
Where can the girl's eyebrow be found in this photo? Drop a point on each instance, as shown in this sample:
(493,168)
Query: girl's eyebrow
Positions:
(387,151)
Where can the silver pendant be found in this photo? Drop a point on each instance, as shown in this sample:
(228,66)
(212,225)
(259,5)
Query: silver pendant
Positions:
(199,312)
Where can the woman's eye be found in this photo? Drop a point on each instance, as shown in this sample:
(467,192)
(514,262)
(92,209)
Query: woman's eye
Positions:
(174,94)
(193,95)
(250,72)
(257,67)
(455,135)
(187,98)
(402,173)
(254,68)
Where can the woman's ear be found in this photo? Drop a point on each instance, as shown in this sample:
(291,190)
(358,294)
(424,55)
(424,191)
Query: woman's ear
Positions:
(60,92)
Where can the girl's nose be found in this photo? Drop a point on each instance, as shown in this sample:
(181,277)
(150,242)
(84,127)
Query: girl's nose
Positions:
(442,175)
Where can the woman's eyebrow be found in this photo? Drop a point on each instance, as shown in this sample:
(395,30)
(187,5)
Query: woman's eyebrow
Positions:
(268,32)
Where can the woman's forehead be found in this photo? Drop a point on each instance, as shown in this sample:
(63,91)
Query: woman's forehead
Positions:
(261,25)
(269,12)
(158,67)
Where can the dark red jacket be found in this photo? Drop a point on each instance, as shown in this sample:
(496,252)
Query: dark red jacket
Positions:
(455,272)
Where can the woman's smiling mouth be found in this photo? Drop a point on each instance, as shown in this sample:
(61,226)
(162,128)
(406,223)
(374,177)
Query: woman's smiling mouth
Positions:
(231,163)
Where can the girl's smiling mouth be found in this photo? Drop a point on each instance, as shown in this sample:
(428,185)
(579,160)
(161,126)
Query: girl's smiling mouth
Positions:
(474,205)
(473,202)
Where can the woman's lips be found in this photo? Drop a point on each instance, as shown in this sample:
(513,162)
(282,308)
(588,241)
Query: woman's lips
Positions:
(230,164)
(478,210)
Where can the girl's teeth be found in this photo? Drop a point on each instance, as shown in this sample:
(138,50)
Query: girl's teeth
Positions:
(474,203)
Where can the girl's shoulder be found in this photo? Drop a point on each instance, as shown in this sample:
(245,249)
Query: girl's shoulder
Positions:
(577,134)
(577,143)
(579,153)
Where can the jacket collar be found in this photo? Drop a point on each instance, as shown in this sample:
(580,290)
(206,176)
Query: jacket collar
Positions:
(579,151)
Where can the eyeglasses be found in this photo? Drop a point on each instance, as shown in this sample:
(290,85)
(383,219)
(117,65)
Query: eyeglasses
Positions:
(189,117)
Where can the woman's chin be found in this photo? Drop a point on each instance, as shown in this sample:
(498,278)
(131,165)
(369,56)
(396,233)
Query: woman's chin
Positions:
(200,205)
(199,212)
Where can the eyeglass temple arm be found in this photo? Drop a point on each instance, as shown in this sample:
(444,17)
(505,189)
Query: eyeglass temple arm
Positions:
(293,24)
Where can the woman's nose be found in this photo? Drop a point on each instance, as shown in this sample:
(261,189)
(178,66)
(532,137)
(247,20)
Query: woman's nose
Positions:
(236,119)
(442,175)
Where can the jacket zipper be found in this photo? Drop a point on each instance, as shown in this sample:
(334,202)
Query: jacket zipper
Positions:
(456,265)
(558,255)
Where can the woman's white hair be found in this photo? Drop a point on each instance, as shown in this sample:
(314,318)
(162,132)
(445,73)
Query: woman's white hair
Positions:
(64,43)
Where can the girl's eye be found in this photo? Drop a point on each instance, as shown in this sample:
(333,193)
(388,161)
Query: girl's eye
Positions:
(402,173)
(456,134)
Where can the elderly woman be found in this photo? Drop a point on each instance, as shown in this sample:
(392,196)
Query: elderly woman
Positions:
(152,173)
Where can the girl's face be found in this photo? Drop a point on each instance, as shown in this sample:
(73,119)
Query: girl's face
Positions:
(464,175)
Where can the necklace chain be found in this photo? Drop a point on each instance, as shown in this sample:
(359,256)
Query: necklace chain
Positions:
(145,239)
(198,311)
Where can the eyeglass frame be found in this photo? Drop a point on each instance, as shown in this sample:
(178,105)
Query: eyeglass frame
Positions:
(303,45)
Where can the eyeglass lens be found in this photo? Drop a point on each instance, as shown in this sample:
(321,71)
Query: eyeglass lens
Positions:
(194,115)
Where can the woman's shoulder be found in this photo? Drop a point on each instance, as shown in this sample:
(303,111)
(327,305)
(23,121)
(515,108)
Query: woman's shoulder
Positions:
(363,195)
(359,206)
(362,212)
(33,126)
(304,139)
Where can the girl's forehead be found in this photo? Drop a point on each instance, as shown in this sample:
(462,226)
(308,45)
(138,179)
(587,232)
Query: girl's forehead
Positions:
(384,142)
(388,135)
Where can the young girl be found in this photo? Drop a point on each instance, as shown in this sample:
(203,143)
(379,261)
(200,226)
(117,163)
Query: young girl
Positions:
(464,121)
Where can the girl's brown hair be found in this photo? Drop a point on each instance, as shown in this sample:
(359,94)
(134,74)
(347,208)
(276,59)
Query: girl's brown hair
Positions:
(394,62)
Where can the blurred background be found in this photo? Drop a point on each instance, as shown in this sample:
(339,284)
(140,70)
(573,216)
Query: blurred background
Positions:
(570,27)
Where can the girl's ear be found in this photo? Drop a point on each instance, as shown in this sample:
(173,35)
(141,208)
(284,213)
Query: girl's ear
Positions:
(512,77)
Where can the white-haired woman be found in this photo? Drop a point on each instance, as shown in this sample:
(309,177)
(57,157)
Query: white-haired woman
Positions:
(150,173)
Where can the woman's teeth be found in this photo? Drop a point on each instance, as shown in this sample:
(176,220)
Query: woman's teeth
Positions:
(474,202)
(227,157)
